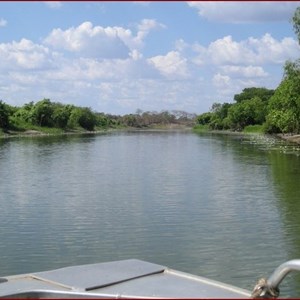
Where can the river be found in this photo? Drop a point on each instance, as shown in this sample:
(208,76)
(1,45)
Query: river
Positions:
(221,206)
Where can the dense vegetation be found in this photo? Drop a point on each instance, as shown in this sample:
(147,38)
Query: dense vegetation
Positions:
(45,115)
(258,108)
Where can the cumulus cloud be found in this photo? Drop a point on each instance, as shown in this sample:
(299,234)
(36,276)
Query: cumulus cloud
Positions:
(93,70)
(107,67)
(101,42)
(90,41)
(146,25)
(24,55)
(221,81)
(241,71)
(245,12)
(269,49)
(3,23)
(171,65)
(252,51)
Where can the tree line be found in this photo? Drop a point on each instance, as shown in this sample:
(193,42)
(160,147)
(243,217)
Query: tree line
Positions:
(46,113)
(273,111)
(49,114)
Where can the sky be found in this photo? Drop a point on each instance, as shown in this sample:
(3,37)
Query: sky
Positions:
(120,57)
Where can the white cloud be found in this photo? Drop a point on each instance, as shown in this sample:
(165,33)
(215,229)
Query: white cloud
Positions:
(148,24)
(241,71)
(269,49)
(245,12)
(3,23)
(221,81)
(226,50)
(90,41)
(106,68)
(53,4)
(101,42)
(171,65)
(136,55)
(23,55)
(252,51)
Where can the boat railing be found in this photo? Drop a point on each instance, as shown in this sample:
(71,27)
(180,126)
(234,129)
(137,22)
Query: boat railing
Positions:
(270,288)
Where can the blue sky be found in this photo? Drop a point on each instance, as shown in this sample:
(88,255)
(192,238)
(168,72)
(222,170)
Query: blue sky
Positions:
(117,57)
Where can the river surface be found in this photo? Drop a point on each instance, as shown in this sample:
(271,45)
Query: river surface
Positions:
(222,206)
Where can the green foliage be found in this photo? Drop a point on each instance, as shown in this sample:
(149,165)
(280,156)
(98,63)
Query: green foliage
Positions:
(204,118)
(83,117)
(102,120)
(24,114)
(254,129)
(4,115)
(219,113)
(200,128)
(247,112)
(61,115)
(50,115)
(284,106)
(250,93)
(42,113)
(87,119)
(250,109)
(54,117)
(296,23)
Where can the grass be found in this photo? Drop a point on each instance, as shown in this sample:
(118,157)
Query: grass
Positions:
(259,129)
(201,128)
(253,129)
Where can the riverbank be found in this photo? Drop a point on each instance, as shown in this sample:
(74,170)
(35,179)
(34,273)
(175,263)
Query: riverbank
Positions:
(40,132)
(37,133)
(288,137)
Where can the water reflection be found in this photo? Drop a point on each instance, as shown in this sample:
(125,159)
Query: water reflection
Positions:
(286,176)
(211,205)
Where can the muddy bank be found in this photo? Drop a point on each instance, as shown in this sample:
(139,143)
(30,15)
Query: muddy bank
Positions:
(290,137)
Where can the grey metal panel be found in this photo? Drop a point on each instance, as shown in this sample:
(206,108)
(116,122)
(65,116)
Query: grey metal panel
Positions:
(173,284)
(88,277)
(23,284)
(120,279)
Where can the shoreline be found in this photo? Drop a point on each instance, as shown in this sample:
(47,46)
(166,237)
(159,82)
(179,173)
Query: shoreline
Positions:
(37,133)
(291,138)
(288,137)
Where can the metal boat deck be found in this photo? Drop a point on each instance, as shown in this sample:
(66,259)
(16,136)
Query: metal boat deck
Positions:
(134,279)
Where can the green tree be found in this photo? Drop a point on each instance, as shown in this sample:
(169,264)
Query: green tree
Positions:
(4,115)
(102,120)
(61,115)
(24,114)
(204,118)
(132,120)
(42,113)
(284,106)
(296,23)
(249,93)
(219,114)
(247,112)
(83,117)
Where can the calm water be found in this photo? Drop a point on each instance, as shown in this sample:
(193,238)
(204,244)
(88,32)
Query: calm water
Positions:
(224,207)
